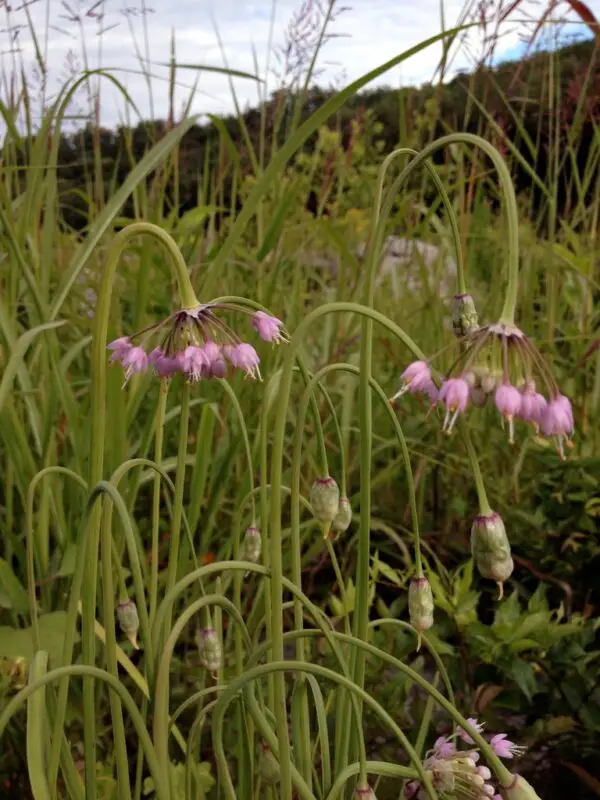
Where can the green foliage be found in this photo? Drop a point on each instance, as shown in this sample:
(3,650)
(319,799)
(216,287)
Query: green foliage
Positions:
(535,653)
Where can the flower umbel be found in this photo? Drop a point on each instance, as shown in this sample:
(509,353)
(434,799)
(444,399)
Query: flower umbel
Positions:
(498,358)
(195,342)
(455,773)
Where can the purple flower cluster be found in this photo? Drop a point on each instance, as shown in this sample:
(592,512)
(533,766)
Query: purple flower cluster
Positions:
(498,361)
(455,773)
(197,344)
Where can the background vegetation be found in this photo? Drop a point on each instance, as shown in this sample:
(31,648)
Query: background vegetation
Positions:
(531,665)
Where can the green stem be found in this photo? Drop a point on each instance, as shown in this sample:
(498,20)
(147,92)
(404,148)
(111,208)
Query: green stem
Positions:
(120,745)
(447,203)
(346,683)
(484,506)
(511,208)
(184,421)
(93,673)
(161,701)
(98,435)
(156,492)
(373,768)
(361,617)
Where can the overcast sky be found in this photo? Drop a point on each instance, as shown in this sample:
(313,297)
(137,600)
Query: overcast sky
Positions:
(367,34)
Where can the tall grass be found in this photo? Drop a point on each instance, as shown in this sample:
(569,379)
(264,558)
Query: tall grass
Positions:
(142,494)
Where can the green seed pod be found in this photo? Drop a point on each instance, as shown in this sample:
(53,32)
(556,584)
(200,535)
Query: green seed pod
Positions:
(252,544)
(325,501)
(420,604)
(129,621)
(491,549)
(209,649)
(343,518)
(464,315)
(520,790)
(268,766)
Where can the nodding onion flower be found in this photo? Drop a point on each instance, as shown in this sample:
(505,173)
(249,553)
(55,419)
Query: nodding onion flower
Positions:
(498,360)
(195,342)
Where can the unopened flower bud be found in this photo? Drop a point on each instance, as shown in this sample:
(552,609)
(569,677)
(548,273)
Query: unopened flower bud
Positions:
(343,518)
(491,549)
(478,397)
(464,315)
(129,621)
(364,793)
(268,766)
(209,649)
(16,672)
(489,380)
(325,501)
(520,790)
(420,606)
(252,544)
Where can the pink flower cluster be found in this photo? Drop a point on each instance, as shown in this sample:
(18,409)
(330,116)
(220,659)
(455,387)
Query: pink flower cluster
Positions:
(198,345)
(553,417)
(455,773)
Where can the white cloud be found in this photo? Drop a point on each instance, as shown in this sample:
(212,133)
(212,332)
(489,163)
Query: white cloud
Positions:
(371,32)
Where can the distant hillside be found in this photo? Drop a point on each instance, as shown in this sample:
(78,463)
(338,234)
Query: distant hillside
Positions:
(544,100)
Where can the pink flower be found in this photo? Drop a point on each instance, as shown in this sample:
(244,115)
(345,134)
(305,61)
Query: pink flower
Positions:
(244,357)
(268,327)
(432,392)
(565,404)
(444,748)
(508,403)
(215,363)
(119,347)
(165,366)
(533,404)
(454,394)
(415,378)
(134,360)
(557,421)
(194,362)
(504,748)
(474,724)
(484,773)
(411,790)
